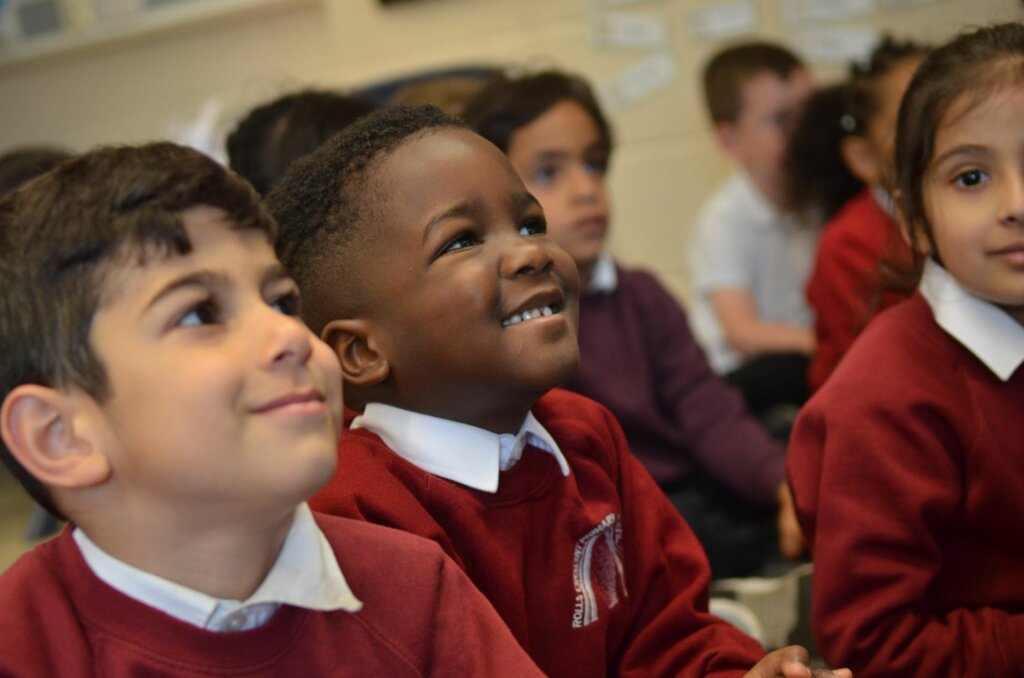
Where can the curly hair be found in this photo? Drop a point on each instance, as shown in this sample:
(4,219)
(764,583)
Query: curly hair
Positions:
(326,202)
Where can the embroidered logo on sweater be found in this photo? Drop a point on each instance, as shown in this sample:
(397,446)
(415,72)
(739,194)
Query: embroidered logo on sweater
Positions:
(598,574)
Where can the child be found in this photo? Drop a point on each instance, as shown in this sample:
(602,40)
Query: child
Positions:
(749,260)
(159,392)
(637,356)
(906,465)
(275,134)
(860,238)
(460,316)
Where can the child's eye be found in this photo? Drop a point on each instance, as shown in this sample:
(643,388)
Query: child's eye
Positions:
(289,304)
(970,178)
(205,312)
(461,241)
(597,164)
(545,175)
(533,226)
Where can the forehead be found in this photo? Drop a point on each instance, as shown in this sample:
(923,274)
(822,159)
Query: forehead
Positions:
(430,173)
(982,118)
(215,242)
(565,124)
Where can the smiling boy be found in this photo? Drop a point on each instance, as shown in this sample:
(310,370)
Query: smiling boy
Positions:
(461,318)
(160,393)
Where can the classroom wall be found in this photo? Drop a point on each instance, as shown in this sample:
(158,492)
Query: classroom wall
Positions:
(135,89)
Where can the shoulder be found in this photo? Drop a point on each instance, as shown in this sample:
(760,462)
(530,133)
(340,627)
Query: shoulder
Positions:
(34,605)
(362,547)
(581,426)
(860,223)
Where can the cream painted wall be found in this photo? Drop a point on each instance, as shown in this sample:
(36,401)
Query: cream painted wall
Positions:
(665,163)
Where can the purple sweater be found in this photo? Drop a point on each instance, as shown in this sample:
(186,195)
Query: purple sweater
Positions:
(639,359)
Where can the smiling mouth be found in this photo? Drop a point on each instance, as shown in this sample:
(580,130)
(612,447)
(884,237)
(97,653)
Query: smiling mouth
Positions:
(296,402)
(532,314)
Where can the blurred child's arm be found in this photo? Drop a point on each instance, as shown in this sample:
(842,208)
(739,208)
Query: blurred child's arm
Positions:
(791,538)
(792,662)
(748,334)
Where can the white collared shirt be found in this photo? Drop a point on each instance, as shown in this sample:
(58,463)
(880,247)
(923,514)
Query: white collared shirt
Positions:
(742,241)
(306,574)
(604,278)
(980,326)
(455,451)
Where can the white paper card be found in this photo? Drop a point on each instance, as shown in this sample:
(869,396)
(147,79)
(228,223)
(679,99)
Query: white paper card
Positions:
(837,44)
(609,29)
(723,19)
(816,11)
(634,83)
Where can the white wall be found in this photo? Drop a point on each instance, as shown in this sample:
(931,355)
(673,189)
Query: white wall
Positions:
(131,89)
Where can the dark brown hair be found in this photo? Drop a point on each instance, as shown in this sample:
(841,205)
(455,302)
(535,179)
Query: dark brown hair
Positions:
(509,104)
(728,70)
(64,233)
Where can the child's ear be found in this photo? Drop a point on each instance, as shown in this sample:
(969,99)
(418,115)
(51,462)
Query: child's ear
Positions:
(40,427)
(859,157)
(362,362)
(725,135)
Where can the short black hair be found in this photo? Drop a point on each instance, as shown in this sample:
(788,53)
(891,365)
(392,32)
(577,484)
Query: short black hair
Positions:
(326,201)
(504,106)
(274,135)
(63,234)
(732,67)
(21,164)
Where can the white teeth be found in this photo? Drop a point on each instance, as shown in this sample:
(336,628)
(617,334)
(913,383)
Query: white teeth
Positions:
(528,315)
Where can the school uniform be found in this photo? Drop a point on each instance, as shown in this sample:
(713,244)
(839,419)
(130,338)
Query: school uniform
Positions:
(70,609)
(845,287)
(558,525)
(690,429)
(907,473)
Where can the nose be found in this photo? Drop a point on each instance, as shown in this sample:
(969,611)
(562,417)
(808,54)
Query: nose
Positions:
(526,255)
(1013,206)
(287,340)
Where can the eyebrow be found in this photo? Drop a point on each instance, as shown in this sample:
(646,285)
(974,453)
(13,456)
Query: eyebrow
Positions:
(964,149)
(209,278)
(474,206)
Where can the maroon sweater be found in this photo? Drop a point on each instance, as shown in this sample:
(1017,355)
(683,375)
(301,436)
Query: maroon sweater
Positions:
(846,279)
(639,359)
(595,573)
(420,616)
(908,470)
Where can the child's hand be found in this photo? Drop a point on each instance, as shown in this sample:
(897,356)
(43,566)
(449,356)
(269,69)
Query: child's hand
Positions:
(791,662)
(791,539)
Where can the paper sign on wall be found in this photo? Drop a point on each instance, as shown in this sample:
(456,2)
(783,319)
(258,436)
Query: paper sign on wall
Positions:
(817,11)
(723,19)
(609,29)
(632,84)
(837,44)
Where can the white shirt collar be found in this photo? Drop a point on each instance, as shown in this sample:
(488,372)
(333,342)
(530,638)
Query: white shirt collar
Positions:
(983,328)
(884,200)
(465,454)
(306,574)
(603,277)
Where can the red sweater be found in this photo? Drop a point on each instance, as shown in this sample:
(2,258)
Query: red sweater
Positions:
(846,278)
(420,617)
(908,473)
(595,573)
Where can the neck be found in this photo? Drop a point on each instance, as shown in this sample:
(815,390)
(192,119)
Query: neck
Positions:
(223,559)
(770,191)
(586,272)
